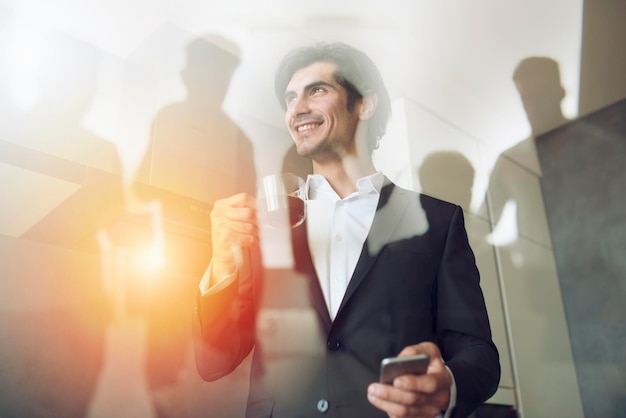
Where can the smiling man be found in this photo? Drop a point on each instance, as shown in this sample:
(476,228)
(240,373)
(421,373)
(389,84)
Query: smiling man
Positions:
(389,271)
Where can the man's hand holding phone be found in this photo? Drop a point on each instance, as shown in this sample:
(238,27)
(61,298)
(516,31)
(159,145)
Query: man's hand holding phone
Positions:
(412,390)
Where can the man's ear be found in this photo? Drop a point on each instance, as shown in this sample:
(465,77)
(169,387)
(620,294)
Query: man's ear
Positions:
(368,106)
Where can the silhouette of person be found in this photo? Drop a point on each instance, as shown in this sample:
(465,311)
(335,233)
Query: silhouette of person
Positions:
(538,82)
(515,203)
(55,311)
(196,151)
(448,175)
(582,180)
(194,142)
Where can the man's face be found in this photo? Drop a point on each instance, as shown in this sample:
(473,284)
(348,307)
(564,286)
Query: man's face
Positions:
(317,113)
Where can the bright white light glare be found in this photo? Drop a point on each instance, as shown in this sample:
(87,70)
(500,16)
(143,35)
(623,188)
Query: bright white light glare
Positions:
(23,93)
(505,231)
(25,54)
(152,259)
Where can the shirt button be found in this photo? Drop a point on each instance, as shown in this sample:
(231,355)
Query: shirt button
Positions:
(338,238)
(333,345)
(322,405)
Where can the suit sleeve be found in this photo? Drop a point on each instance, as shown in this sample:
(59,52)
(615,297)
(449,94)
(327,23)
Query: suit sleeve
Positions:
(463,326)
(224,323)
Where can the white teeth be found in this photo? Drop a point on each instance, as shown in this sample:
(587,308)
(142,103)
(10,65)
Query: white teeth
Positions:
(307,126)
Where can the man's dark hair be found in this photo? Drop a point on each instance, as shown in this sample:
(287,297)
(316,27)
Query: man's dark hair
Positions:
(356,73)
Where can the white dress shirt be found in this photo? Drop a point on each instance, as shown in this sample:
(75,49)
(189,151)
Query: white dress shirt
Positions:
(337,229)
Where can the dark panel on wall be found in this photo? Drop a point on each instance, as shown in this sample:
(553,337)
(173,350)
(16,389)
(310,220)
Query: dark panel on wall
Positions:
(584,187)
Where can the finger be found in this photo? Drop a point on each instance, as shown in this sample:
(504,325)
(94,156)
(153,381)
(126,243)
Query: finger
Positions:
(422,348)
(238,200)
(236,213)
(391,408)
(436,364)
(237,223)
(395,395)
(227,233)
(426,383)
(433,388)
(398,403)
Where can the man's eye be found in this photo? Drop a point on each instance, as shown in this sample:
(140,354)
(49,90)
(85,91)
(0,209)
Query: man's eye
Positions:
(318,90)
(290,99)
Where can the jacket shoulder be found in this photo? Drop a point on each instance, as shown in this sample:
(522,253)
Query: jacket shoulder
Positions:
(429,203)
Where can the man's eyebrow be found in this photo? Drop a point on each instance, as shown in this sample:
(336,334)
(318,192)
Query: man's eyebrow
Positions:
(310,86)
(318,84)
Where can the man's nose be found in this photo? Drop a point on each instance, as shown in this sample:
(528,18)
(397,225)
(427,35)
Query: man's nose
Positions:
(299,106)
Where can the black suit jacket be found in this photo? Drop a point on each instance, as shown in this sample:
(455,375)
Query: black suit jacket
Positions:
(416,280)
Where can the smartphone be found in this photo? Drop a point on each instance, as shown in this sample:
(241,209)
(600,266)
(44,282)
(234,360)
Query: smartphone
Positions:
(392,367)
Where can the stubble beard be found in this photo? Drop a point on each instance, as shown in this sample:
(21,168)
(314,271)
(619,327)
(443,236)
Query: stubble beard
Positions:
(320,152)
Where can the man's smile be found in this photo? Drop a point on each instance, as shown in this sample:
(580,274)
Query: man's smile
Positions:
(308,126)
(305,124)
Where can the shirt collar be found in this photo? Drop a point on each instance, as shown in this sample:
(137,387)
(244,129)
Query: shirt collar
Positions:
(317,185)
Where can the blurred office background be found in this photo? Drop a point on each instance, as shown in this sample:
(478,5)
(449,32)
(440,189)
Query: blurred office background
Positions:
(122,122)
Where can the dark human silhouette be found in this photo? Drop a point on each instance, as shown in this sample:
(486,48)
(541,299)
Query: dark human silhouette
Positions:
(448,175)
(538,82)
(196,153)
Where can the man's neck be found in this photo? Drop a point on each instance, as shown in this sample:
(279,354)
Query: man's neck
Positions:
(343,174)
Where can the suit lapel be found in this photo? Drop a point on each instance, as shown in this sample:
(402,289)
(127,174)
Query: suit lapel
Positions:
(391,208)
